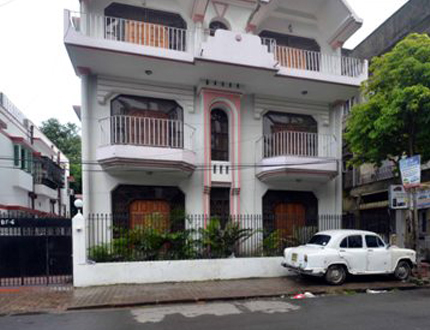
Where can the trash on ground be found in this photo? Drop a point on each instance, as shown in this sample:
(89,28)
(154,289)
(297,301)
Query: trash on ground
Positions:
(303,295)
(375,291)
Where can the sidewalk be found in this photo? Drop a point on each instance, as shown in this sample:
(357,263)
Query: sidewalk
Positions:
(59,299)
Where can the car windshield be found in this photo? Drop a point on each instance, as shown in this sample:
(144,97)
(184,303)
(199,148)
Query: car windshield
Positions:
(320,240)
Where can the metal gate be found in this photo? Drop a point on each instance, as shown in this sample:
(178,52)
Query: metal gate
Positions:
(35,251)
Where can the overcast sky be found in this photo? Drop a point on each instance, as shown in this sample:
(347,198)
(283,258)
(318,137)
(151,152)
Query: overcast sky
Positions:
(35,71)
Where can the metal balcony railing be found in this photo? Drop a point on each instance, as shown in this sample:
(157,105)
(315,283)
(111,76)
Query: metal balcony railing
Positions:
(146,131)
(300,59)
(48,173)
(302,144)
(130,31)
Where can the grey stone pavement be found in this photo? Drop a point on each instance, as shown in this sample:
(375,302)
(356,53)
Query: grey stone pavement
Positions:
(25,300)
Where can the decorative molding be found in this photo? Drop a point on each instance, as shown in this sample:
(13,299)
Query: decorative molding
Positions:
(206,190)
(220,8)
(263,105)
(107,88)
(83,71)
(235,191)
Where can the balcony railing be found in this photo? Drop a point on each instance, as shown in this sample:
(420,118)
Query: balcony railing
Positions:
(300,59)
(130,31)
(146,131)
(48,173)
(354,178)
(301,144)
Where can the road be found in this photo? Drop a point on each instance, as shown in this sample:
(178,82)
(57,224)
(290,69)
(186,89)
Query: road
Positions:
(393,311)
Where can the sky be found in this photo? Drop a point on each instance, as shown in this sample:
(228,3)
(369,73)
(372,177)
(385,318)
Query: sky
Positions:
(35,70)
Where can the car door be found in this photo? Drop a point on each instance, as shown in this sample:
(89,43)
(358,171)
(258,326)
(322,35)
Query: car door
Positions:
(378,256)
(352,250)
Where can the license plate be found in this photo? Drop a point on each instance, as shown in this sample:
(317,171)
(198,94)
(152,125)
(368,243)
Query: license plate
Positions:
(294,257)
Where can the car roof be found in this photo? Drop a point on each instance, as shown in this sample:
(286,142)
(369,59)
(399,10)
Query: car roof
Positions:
(344,232)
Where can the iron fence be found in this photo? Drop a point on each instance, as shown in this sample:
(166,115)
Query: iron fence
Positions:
(119,238)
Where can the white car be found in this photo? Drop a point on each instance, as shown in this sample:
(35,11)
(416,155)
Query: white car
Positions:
(335,253)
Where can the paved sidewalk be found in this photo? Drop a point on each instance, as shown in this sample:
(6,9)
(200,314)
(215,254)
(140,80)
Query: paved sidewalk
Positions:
(58,299)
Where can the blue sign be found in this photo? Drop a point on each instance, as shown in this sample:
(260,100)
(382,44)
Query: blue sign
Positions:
(410,169)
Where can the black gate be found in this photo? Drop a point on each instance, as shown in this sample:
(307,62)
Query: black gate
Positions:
(35,251)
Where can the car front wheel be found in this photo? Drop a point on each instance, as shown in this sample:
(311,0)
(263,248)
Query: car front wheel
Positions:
(403,271)
(335,275)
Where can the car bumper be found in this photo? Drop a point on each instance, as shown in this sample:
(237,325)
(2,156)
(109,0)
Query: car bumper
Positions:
(304,271)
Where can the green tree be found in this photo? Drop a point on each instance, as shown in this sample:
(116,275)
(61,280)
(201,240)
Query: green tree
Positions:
(394,121)
(66,137)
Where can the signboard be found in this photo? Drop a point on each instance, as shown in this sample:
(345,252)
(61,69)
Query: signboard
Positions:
(410,169)
(398,197)
(423,199)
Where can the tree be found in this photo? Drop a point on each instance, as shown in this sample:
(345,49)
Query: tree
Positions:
(394,121)
(66,137)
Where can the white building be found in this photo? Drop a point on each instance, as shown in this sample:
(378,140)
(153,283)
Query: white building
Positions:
(33,172)
(213,107)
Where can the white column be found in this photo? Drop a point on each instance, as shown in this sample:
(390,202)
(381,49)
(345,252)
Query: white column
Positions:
(86,140)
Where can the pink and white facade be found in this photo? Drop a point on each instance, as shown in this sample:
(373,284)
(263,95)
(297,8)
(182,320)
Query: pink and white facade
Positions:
(216,107)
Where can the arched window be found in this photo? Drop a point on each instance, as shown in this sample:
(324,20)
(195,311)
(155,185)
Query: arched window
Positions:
(219,135)
(217,25)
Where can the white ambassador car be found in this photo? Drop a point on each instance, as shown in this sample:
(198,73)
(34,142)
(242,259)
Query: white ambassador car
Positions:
(335,253)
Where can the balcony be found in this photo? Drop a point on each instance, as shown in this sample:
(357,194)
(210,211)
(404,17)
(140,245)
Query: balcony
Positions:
(297,156)
(147,144)
(354,178)
(242,58)
(316,65)
(49,174)
(127,36)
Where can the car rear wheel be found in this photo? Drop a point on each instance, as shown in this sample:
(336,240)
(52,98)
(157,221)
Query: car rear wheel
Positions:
(335,275)
(403,271)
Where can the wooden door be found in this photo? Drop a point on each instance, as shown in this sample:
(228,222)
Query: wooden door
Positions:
(147,34)
(150,214)
(289,216)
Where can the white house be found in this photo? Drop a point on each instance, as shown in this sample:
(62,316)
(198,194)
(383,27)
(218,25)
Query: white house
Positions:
(33,171)
(213,107)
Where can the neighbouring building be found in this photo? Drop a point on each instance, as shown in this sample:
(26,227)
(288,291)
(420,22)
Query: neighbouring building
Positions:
(367,188)
(33,171)
(213,107)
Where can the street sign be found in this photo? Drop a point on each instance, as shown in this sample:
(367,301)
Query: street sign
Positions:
(398,197)
(423,199)
(410,168)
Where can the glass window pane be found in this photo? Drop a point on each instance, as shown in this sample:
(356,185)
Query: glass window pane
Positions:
(372,241)
(16,155)
(344,243)
(355,242)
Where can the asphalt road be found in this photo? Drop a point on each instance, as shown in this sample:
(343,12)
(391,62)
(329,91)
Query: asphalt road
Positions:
(393,311)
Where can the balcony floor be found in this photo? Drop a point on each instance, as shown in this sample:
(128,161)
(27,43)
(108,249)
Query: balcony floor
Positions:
(290,169)
(122,158)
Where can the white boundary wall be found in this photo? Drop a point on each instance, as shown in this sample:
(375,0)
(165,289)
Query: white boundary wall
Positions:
(176,271)
(85,274)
